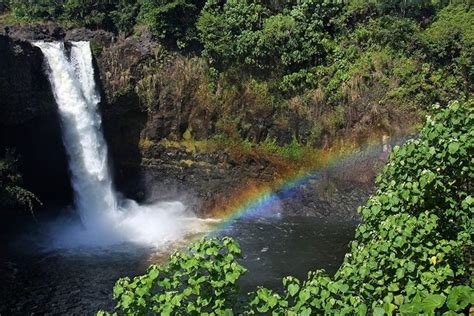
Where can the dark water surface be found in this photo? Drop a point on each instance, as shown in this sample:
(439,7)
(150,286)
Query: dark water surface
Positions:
(275,248)
(80,282)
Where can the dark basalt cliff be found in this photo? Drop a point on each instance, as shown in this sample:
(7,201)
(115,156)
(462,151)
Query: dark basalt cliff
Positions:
(139,109)
(29,121)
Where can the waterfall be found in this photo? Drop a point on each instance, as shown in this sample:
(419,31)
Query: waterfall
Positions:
(77,98)
(104,218)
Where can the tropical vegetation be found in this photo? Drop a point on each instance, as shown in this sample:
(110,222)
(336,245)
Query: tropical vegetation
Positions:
(336,67)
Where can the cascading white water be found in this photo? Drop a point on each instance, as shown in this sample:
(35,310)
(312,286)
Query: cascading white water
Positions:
(77,98)
(105,219)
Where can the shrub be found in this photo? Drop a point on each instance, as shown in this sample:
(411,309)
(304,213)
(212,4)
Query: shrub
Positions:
(90,13)
(112,15)
(416,231)
(227,31)
(246,32)
(200,280)
(172,21)
(293,151)
(41,9)
(124,16)
(449,42)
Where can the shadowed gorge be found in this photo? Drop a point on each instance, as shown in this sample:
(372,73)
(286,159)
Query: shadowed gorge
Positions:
(30,121)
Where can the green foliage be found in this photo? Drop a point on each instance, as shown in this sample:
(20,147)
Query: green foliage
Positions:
(407,8)
(417,233)
(394,64)
(386,31)
(371,63)
(421,212)
(245,32)
(173,21)
(417,228)
(410,255)
(449,41)
(459,298)
(294,151)
(12,194)
(41,9)
(90,12)
(200,280)
(227,30)
(113,15)
(124,16)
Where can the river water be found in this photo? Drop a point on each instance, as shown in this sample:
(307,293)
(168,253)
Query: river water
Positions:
(80,282)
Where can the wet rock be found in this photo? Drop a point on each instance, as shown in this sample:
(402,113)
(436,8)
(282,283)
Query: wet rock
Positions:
(29,120)
(54,32)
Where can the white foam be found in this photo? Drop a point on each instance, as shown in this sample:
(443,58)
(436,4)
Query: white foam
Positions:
(105,218)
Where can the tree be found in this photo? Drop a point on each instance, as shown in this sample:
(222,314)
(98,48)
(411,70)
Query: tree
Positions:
(41,9)
(172,20)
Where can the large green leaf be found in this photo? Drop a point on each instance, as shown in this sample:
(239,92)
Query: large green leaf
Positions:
(460,297)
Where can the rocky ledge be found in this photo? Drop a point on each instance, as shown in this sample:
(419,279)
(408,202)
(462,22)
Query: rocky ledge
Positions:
(213,182)
(54,32)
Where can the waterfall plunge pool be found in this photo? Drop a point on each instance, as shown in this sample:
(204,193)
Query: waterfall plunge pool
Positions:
(80,281)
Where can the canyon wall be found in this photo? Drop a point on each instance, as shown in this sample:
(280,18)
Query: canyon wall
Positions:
(149,109)
(29,121)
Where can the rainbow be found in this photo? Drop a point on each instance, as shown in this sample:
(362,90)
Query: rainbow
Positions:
(264,200)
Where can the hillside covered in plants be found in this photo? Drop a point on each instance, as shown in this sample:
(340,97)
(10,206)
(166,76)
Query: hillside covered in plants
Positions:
(264,70)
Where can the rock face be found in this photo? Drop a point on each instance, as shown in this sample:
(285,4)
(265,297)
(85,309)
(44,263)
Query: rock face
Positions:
(148,94)
(29,120)
(214,180)
(53,32)
(206,179)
